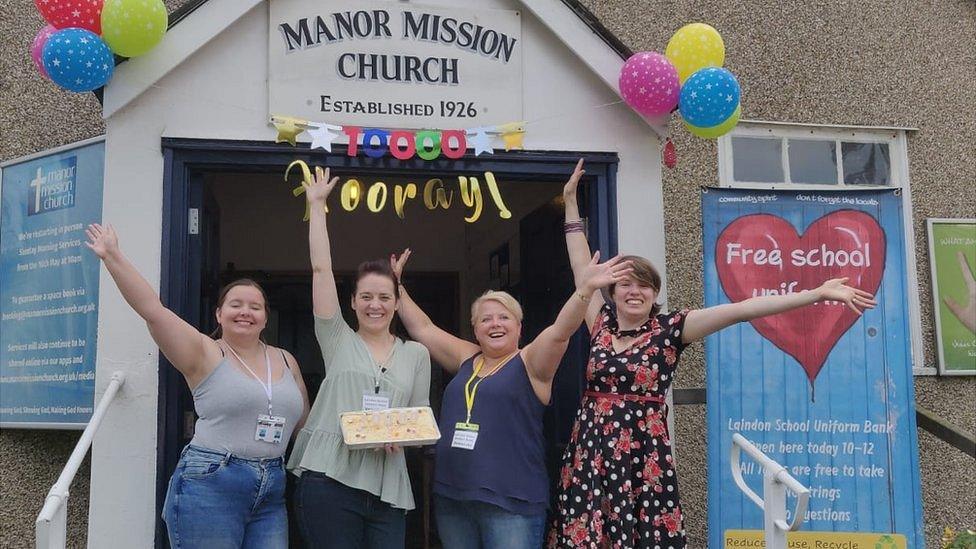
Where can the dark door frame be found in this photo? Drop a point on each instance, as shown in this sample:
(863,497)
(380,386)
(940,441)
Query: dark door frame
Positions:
(186,160)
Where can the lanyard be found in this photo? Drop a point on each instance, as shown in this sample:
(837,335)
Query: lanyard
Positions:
(268,388)
(469,391)
(380,368)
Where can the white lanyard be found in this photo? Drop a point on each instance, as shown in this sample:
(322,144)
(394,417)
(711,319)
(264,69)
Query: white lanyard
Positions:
(268,387)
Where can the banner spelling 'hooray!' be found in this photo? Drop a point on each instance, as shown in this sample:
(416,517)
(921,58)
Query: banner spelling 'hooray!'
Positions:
(823,391)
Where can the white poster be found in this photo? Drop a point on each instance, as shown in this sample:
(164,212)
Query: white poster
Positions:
(394,64)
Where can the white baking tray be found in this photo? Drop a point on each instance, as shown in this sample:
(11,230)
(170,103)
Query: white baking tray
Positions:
(400,426)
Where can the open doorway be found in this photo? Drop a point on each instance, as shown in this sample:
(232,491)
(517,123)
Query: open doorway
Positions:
(247,223)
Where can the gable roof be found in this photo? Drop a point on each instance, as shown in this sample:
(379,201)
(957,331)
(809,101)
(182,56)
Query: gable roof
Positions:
(196,22)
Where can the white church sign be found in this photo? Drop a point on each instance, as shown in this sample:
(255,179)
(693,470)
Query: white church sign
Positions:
(394,64)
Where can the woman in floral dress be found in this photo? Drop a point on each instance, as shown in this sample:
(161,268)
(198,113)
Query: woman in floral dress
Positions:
(618,486)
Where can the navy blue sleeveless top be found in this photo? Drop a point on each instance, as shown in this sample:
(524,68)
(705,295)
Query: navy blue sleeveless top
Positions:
(507,466)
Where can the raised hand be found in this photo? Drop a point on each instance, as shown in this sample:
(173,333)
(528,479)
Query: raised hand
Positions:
(965,313)
(102,240)
(319,189)
(600,275)
(836,289)
(397,263)
(569,189)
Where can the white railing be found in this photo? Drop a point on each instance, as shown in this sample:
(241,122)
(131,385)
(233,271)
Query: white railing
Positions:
(52,522)
(776,480)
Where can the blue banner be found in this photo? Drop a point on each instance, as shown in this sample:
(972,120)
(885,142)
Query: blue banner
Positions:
(49,287)
(823,391)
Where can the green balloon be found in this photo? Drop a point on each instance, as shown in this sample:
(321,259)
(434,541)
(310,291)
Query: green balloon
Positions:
(133,27)
(713,132)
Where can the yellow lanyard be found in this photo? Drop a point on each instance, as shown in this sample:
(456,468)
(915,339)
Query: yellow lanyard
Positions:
(469,391)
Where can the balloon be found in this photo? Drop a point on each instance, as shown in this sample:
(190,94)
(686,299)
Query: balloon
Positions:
(649,84)
(694,47)
(709,97)
(37,47)
(719,130)
(78,60)
(79,14)
(133,27)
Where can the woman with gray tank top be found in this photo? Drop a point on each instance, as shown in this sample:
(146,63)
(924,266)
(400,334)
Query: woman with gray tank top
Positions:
(228,489)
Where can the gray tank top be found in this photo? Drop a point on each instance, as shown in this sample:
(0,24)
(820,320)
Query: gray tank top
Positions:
(229,402)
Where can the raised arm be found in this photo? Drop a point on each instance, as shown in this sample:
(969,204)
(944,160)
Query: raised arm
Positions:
(447,350)
(183,345)
(966,313)
(702,322)
(542,356)
(325,297)
(576,244)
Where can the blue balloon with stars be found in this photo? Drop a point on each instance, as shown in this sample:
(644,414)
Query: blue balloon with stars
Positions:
(78,60)
(709,97)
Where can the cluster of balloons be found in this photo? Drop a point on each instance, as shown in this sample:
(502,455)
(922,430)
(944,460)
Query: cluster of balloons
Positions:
(76,49)
(688,76)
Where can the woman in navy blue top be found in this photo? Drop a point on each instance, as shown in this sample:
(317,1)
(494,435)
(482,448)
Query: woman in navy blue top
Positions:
(490,481)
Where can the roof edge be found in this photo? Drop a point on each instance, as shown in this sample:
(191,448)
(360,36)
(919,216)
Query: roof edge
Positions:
(599,28)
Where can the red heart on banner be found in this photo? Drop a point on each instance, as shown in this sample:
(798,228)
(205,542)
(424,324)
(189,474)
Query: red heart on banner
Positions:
(763,255)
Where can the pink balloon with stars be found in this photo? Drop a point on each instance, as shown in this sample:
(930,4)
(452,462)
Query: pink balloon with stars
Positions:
(649,84)
(37,47)
(81,14)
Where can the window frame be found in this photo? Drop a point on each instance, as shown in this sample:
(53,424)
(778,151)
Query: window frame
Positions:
(897,141)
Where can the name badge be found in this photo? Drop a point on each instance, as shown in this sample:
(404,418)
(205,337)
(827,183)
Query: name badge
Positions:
(465,436)
(375,401)
(270,429)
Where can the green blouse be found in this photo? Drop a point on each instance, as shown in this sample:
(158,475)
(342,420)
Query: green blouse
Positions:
(349,372)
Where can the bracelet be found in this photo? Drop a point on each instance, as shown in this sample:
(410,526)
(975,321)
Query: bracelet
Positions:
(583,298)
(575,226)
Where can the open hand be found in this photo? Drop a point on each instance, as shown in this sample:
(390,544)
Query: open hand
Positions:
(836,289)
(102,240)
(965,313)
(319,189)
(569,190)
(397,263)
(600,275)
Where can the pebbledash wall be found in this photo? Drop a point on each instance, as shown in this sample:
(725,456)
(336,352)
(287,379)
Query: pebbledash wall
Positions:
(900,63)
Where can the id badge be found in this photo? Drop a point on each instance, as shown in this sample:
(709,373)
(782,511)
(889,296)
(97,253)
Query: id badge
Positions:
(270,428)
(375,401)
(465,435)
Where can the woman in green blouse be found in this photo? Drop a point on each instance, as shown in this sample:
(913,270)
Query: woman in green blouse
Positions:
(354,498)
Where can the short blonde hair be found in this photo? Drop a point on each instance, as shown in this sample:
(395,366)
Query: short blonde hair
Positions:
(505,299)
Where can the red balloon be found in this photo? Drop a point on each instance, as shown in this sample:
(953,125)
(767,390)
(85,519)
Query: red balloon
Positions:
(82,14)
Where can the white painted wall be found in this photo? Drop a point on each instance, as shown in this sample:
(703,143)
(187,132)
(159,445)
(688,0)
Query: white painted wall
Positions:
(220,92)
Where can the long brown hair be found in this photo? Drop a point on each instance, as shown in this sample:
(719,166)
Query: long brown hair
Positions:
(218,333)
(644,273)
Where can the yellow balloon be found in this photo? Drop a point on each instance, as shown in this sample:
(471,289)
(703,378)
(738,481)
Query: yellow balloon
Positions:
(695,46)
(713,132)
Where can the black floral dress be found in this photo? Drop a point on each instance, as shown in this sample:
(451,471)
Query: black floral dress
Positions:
(618,487)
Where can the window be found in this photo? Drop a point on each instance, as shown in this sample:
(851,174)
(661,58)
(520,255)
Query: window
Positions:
(773,155)
(783,156)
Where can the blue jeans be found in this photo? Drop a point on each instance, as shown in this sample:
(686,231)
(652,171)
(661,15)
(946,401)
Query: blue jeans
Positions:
(479,525)
(219,501)
(332,515)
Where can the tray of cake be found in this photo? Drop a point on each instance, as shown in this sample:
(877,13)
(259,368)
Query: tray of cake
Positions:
(401,426)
